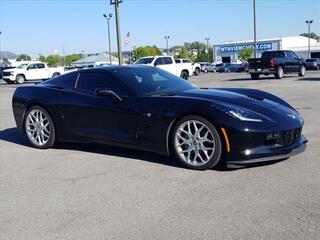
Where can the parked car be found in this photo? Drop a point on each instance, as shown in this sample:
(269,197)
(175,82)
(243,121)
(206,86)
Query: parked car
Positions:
(207,67)
(232,67)
(196,68)
(4,68)
(150,109)
(313,63)
(168,64)
(31,71)
(277,63)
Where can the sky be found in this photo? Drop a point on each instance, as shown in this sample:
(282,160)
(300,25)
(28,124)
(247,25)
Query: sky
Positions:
(70,26)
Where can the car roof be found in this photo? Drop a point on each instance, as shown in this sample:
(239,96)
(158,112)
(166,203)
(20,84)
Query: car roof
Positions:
(112,68)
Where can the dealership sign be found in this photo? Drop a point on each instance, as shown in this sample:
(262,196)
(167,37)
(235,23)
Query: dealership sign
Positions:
(240,47)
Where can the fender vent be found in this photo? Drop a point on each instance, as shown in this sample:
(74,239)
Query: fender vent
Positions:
(254,98)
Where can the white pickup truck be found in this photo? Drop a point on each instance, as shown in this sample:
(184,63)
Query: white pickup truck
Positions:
(166,63)
(31,71)
(194,67)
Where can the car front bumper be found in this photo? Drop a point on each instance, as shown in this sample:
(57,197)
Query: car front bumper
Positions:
(8,79)
(265,154)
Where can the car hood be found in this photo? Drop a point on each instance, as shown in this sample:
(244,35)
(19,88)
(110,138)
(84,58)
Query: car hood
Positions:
(263,107)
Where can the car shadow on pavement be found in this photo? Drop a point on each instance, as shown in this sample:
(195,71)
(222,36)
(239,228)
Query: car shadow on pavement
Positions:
(309,79)
(260,78)
(13,135)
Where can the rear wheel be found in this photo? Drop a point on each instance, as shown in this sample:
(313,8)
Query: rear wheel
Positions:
(184,75)
(197,72)
(196,143)
(302,71)
(39,128)
(279,73)
(255,76)
(20,79)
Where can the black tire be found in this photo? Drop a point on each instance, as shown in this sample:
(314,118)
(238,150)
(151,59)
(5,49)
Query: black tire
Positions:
(217,155)
(197,72)
(184,75)
(302,71)
(255,76)
(20,79)
(52,135)
(279,72)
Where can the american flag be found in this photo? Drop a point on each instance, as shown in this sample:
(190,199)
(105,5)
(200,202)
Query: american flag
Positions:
(127,39)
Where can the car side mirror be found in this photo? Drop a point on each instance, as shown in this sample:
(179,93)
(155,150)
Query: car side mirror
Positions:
(28,68)
(104,92)
(155,64)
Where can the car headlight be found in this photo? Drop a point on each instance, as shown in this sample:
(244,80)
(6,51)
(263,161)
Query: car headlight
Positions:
(239,113)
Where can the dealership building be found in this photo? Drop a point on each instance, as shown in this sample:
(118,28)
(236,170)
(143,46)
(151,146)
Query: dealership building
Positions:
(229,51)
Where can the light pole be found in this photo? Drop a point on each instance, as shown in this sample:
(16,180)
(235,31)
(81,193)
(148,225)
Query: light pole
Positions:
(0,48)
(308,22)
(254,30)
(108,17)
(167,43)
(207,39)
(116,10)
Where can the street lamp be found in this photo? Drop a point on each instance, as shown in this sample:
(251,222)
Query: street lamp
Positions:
(0,48)
(207,39)
(108,17)
(308,22)
(116,10)
(167,43)
(254,30)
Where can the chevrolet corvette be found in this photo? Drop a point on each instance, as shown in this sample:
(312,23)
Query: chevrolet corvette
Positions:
(150,109)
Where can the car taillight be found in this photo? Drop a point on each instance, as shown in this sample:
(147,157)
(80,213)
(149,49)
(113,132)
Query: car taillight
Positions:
(272,62)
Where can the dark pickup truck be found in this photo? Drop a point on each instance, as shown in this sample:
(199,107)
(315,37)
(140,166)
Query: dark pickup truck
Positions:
(277,63)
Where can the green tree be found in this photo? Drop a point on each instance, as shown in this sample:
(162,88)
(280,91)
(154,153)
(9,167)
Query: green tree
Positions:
(53,60)
(23,57)
(5,61)
(245,54)
(312,35)
(42,58)
(145,51)
(72,58)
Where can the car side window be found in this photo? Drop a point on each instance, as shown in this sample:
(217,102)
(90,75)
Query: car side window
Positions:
(32,66)
(40,65)
(159,61)
(177,61)
(90,81)
(167,60)
(186,61)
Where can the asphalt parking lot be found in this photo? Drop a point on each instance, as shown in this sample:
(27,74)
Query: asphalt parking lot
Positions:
(81,191)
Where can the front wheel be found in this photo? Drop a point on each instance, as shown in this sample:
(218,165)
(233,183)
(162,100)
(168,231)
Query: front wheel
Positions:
(55,75)
(184,75)
(196,143)
(20,79)
(39,128)
(302,71)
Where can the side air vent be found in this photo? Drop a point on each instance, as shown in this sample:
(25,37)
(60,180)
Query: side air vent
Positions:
(254,98)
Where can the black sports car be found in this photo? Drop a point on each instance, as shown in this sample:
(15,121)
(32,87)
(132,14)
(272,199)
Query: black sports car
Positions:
(150,109)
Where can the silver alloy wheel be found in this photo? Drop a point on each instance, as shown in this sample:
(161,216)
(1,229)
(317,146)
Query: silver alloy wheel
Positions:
(37,127)
(280,71)
(303,70)
(194,143)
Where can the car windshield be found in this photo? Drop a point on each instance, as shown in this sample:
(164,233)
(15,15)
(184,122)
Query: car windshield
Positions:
(22,65)
(144,61)
(152,81)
